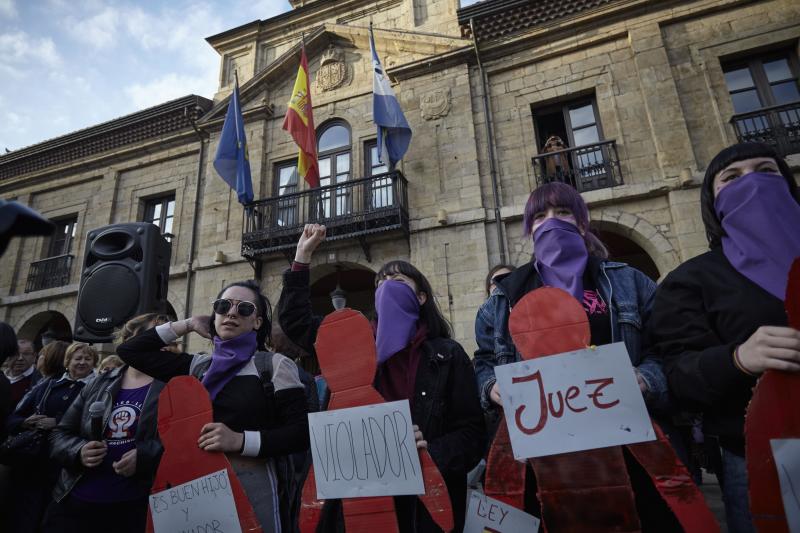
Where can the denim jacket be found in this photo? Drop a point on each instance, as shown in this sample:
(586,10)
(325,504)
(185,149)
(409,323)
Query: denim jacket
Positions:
(630,294)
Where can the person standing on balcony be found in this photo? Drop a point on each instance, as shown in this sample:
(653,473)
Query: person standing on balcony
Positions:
(417,361)
(718,320)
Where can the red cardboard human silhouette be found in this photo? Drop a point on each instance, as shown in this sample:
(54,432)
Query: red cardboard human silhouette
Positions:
(773,413)
(184,407)
(588,490)
(346,352)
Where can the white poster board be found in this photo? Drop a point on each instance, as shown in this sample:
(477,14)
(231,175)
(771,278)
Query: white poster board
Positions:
(203,504)
(573,401)
(365,451)
(787,460)
(487,514)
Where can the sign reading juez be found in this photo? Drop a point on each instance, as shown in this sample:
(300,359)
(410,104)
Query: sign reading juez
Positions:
(573,401)
(365,451)
(203,504)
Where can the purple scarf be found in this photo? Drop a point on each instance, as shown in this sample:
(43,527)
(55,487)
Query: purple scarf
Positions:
(398,312)
(762,229)
(561,256)
(227,359)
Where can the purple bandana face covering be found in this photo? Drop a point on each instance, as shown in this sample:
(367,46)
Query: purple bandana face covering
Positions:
(398,312)
(227,359)
(762,225)
(561,256)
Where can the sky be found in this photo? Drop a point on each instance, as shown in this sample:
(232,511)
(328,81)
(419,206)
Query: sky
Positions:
(70,64)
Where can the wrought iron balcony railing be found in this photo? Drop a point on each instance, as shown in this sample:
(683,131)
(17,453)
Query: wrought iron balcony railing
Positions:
(351,209)
(48,273)
(778,126)
(588,167)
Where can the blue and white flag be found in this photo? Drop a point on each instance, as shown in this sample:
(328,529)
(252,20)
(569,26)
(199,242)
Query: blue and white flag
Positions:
(231,161)
(394,135)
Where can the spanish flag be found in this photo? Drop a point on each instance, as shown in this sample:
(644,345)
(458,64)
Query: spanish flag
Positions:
(299,122)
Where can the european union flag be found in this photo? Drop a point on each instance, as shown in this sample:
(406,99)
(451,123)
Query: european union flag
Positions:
(231,161)
(394,134)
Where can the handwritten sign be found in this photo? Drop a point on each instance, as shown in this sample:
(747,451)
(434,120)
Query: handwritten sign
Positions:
(487,514)
(573,401)
(787,460)
(203,505)
(365,451)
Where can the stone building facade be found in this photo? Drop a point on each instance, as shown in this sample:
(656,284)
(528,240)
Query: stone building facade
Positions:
(642,92)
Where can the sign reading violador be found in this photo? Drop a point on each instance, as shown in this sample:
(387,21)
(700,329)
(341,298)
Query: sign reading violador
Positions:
(365,451)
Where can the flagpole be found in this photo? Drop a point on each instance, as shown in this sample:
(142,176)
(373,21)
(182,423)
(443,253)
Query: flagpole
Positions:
(320,207)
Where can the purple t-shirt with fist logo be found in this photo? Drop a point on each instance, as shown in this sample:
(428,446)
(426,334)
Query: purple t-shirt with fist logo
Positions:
(101,484)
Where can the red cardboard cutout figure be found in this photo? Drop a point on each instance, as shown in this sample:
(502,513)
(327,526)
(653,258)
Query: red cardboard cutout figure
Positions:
(184,407)
(346,352)
(773,413)
(588,490)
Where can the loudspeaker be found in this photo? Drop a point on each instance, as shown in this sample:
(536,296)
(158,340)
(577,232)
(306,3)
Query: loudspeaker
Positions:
(125,273)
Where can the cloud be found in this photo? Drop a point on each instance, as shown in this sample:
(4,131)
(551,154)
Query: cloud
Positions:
(169,87)
(8,9)
(99,30)
(18,50)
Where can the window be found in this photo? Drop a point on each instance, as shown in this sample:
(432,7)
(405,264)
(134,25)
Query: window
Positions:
(334,151)
(286,183)
(161,212)
(764,81)
(584,166)
(382,193)
(63,236)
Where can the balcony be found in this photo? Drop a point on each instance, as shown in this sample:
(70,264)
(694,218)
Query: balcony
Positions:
(350,210)
(48,273)
(587,168)
(778,126)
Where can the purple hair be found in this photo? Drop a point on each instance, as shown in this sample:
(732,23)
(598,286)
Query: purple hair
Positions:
(556,194)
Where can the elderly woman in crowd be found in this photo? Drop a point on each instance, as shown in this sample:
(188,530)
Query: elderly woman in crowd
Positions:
(42,409)
(718,320)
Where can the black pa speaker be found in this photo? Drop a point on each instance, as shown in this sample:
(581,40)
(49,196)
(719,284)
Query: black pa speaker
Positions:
(125,273)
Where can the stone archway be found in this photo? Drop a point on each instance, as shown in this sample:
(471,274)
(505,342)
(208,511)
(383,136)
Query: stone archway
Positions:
(44,327)
(624,250)
(357,282)
(639,232)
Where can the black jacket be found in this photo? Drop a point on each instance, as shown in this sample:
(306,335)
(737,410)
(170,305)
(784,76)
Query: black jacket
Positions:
(703,310)
(62,393)
(75,429)
(446,406)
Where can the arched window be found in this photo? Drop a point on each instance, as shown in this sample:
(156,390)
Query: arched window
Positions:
(334,153)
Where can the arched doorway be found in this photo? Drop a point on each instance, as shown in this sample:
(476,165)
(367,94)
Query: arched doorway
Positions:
(44,327)
(624,250)
(357,282)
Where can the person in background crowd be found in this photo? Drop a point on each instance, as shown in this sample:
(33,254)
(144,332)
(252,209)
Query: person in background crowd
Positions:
(51,359)
(719,321)
(8,349)
(617,300)
(494,272)
(42,409)
(251,429)
(21,372)
(104,484)
(110,362)
(416,355)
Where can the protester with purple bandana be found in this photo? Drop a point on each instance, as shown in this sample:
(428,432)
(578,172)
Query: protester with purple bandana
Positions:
(719,320)
(616,297)
(250,428)
(418,361)
(105,482)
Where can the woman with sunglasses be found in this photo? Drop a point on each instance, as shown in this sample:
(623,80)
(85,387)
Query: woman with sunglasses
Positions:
(418,361)
(247,427)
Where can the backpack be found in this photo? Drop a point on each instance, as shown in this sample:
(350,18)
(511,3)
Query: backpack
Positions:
(290,470)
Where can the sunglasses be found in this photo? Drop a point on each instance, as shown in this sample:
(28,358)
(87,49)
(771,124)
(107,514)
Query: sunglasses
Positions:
(243,308)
